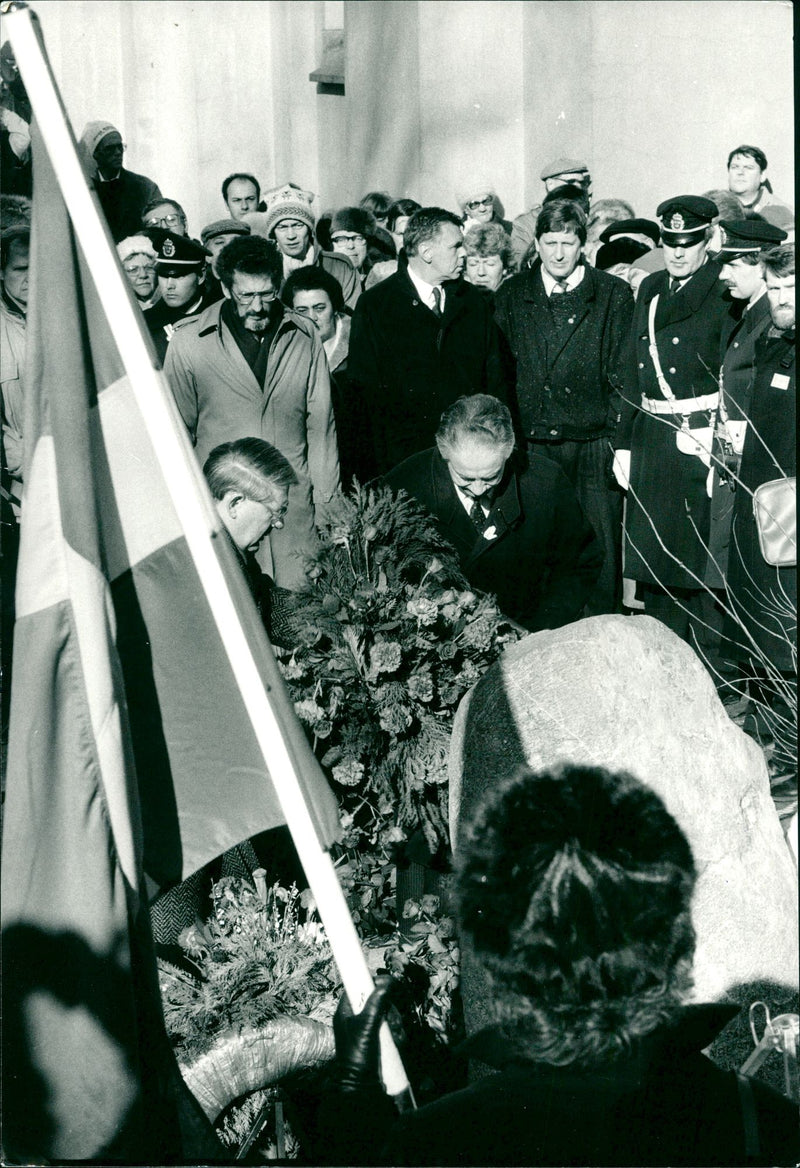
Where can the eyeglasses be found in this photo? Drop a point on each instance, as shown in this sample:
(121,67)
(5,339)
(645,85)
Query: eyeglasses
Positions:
(248,298)
(140,269)
(348,239)
(475,203)
(163,220)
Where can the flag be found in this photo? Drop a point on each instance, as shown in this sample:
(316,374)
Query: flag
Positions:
(130,749)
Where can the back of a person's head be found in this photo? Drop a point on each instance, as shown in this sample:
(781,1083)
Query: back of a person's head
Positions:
(399,209)
(424,225)
(252,255)
(570,191)
(249,466)
(378,202)
(575,888)
(728,205)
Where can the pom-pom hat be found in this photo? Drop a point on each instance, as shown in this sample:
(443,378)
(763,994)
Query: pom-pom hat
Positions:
(287,202)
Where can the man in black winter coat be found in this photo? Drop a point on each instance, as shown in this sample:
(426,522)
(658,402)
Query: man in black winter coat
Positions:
(419,340)
(567,325)
(517,525)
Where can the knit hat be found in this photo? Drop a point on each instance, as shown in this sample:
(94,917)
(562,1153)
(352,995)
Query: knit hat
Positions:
(473,188)
(223,227)
(358,220)
(621,251)
(136,245)
(94,133)
(288,202)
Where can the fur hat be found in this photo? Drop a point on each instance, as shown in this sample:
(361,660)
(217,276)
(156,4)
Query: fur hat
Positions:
(287,202)
(357,220)
(136,245)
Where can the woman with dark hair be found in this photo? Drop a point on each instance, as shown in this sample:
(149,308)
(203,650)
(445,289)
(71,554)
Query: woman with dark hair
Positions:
(396,221)
(747,178)
(378,204)
(574,889)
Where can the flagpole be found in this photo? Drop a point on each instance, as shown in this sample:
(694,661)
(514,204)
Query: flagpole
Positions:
(198,519)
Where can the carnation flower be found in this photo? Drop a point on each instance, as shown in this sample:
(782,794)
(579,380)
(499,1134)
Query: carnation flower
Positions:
(385,657)
(349,773)
(309,711)
(425,610)
(292,670)
(394,719)
(420,686)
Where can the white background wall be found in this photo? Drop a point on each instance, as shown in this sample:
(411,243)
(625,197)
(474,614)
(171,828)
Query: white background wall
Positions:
(654,93)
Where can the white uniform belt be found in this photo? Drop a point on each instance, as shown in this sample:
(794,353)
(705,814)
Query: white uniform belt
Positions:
(684,405)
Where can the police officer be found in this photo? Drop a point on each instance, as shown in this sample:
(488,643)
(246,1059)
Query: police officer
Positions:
(180,267)
(670,403)
(742,274)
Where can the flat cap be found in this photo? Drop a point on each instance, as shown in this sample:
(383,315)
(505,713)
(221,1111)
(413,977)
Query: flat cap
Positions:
(562,166)
(683,218)
(622,228)
(224,227)
(747,237)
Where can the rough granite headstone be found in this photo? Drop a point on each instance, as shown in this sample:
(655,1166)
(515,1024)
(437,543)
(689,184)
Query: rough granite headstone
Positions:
(626,693)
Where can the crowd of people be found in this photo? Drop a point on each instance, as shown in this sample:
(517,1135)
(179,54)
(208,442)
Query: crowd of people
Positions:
(587,403)
(626,376)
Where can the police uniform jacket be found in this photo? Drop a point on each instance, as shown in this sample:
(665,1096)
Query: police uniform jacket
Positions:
(220,399)
(737,375)
(765,597)
(545,558)
(667,486)
(406,365)
(566,378)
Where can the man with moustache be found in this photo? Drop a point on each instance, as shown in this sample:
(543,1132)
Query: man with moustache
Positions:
(664,437)
(250,367)
(419,340)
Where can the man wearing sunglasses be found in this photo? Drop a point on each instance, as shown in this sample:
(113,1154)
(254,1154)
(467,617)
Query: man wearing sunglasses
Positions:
(123,194)
(250,367)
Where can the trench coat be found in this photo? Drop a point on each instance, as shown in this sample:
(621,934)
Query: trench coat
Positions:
(220,399)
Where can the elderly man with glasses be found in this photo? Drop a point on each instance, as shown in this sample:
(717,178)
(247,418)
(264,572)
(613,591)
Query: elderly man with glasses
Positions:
(249,366)
(123,194)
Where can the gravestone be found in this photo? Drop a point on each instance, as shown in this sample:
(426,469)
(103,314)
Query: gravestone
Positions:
(627,694)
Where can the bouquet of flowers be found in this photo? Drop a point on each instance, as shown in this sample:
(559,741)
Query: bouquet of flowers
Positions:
(390,639)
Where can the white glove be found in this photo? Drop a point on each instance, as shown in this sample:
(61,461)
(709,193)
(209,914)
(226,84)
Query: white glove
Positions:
(622,468)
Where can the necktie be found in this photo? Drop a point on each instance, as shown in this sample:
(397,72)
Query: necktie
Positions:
(674,285)
(560,286)
(437,302)
(477,516)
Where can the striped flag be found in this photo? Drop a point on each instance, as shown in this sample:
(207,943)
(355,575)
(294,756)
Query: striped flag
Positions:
(130,748)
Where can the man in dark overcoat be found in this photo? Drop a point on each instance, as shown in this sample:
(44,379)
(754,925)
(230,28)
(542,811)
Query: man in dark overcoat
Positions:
(762,594)
(742,273)
(419,340)
(518,529)
(567,325)
(664,437)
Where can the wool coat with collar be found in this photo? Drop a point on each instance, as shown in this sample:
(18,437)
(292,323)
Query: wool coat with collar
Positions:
(667,515)
(566,379)
(220,399)
(406,364)
(545,558)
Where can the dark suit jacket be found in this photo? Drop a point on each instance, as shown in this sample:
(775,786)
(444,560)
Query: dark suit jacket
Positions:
(545,559)
(406,364)
(566,384)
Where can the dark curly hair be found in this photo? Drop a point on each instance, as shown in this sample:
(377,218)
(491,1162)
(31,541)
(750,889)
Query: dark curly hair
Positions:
(575,887)
(313,279)
(252,255)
